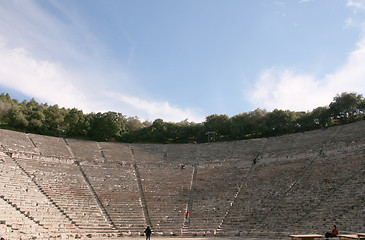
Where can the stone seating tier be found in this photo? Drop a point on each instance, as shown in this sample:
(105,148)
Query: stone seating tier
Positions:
(117,152)
(266,185)
(213,152)
(208,205)
(85,150)
(118,192)
(22,193)
(50,146)
(302,208)
(11,140)
(149,153)
(246,151)
(63,183)
(182,153)
(166,191)
(348,135)
(15,225)
(294,186)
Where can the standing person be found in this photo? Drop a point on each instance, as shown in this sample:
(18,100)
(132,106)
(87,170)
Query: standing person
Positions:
(148,232)
(187,217)
(333,233)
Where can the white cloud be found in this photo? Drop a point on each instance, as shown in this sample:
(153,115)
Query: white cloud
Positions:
(357,19)
(55,59)
(153,109)
(357,4)
(286,89)
(41,79)
(50,82)
(279,3)
(304,1)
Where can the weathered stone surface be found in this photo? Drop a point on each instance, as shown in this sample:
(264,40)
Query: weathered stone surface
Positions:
(300,183)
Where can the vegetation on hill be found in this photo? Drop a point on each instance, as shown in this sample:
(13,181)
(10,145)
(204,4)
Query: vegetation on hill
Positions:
(31,116)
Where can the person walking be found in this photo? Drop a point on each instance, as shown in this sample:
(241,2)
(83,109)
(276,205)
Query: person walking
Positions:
(148,232)
(187,217)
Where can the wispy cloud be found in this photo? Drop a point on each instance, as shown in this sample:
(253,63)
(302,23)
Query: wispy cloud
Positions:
(349,22)
(53,57)
(44,80)
(304,1)
(28,25)
(155,109)
(284,89)
(287,89)
(357,4)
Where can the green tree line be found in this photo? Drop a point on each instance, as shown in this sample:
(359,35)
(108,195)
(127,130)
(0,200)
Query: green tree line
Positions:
(33,117)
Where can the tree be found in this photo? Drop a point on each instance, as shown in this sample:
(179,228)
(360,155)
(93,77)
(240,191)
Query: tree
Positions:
(239,126)
(185,133)
(133,124)
(16,118)
(219,124)
(158,131)
(107,126)
(257,126)
(36,119)
(345,106)
(54,119)
(77,124)
(4,109)
(5,105)
(41,118)
(280,122)
(320,116)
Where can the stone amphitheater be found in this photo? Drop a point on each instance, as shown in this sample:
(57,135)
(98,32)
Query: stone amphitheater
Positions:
(56,188)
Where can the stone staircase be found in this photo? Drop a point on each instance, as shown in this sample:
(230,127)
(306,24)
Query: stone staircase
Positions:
(65,186)
(166,190)
(19,191)
(117,189)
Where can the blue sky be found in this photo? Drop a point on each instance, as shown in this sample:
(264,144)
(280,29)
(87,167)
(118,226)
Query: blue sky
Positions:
(177,60)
